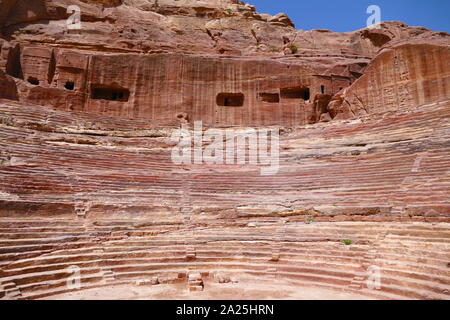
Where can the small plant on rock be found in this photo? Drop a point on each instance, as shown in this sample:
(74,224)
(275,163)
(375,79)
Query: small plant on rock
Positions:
(347,242)
(309,220)
(294,48)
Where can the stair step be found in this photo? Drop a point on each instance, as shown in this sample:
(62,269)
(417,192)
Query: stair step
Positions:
(9,285)
(108,276)
(195,288)
(11,290)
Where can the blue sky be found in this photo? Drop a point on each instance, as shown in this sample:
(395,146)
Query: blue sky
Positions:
(349,15)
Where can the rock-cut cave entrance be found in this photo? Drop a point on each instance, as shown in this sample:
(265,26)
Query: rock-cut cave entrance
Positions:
(33,81)
(230,99)
(295,93)
(109,93)
(69,85)
(269,97)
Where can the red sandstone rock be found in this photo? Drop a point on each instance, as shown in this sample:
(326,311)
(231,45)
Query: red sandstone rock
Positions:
(63,77)
(85,123)
(8,89)
(398,79)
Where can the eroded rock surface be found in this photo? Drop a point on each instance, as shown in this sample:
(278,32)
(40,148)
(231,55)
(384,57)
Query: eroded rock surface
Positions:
(87,178)
(155,59)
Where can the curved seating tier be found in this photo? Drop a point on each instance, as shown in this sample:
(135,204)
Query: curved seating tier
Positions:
(382,183)
(412,257)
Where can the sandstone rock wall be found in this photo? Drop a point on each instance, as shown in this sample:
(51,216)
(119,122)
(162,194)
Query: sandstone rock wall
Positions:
(392,168)
(8,89)
(398,79)
(160,87)
(87,177)
(215,27)
(157,60)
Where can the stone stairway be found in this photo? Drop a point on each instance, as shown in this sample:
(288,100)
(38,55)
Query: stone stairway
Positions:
(108,275)
(81,209)
(195,282)
(187,213)
(278,241)
(11,291)
(369,263)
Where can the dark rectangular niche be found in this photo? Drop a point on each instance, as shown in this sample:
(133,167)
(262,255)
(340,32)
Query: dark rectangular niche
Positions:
(33,80)
(69,85)
(295,93)
(109,93)
(230,99)
(13,65)
(269,97)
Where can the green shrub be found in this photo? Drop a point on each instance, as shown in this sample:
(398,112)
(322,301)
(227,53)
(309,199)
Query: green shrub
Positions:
(294,48)
(310,220)
(347,242)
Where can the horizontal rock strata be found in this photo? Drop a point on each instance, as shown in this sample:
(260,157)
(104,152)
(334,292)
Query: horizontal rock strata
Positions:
(89,191)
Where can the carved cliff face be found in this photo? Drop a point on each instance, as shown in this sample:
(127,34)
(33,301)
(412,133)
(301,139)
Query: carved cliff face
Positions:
(399,79)
(87,175)
(160,86)
(223,49)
